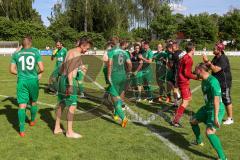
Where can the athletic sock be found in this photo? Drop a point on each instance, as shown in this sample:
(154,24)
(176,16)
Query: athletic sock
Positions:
(118,109)
(21,118)
(33,111)
(179,114)
(81,88)
(196,131)
(215,141)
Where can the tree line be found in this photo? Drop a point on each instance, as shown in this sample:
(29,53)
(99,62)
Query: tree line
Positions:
(131,20)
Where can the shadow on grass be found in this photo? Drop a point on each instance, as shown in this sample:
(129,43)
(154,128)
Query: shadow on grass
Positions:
(174,137)
(11,114)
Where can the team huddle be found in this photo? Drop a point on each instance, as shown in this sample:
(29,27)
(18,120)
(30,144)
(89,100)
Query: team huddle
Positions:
(124,71)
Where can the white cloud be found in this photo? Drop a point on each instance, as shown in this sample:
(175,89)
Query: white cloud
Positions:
(177,7)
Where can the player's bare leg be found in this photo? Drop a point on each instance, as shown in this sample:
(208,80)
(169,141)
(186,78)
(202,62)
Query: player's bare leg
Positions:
(70,133)
(58,129)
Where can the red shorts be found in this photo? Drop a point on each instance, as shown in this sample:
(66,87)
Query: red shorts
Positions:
(185,92)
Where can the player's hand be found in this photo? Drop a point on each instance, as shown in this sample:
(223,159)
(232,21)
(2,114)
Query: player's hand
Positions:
(216,122)
(140,56)
(135,73)
(205,59)
(69,90)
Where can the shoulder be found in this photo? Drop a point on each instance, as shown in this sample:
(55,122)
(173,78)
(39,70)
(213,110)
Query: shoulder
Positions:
(213,81)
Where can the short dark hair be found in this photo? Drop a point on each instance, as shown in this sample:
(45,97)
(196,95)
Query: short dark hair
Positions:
(59,42)
(203,66)
(84,40)
(189,47)
(146,42)
(114,41)
(28,38)
(123,42)
(136,44)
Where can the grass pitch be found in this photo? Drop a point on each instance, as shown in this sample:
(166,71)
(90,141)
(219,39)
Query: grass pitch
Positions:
(102,137)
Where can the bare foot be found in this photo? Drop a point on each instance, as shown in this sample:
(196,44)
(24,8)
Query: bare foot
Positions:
(58,131)
(73,135)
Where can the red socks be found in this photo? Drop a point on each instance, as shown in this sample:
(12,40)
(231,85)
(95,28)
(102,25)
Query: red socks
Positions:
(178,114)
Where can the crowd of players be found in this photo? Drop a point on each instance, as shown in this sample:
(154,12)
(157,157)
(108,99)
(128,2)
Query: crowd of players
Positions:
(123,71)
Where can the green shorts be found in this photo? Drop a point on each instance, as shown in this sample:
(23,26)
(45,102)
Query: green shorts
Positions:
(118,85)
(27,90)
(207,116)
(67,100)
(80,76)
(136,80)
(170,76)
(147,76)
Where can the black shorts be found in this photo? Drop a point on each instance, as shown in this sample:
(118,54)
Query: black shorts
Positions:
(226,96)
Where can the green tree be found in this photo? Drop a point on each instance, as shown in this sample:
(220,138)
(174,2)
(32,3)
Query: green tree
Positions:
(229,28)
(201,28)
(164,24)
(19,10)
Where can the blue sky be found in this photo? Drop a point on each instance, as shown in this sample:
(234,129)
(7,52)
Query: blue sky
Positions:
(186,7)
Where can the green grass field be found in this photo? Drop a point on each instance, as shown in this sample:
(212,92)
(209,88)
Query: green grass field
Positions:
(102,137)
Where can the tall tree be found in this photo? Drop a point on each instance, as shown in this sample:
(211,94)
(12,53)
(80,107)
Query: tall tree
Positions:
(229,28)
(19,10)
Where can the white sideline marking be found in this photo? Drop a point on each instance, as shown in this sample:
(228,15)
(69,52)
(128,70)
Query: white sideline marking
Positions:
(38,102)
(159,135)
(172,146)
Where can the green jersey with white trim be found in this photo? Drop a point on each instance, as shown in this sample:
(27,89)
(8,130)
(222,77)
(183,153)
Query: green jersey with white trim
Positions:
(60,56)
(119,58)
(26,61)
(210,89)
(148,55)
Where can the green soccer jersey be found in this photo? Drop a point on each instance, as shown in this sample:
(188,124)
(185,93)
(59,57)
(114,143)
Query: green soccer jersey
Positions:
(60,56)
(148,55)
(119,58)
(210,89)
(26,61)
(160,59)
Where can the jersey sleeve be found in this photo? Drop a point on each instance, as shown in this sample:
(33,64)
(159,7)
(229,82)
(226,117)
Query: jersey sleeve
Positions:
(38,57)
(215,87)
(110,55)
(127,56)
(13,59)
(150,55)
(188,69)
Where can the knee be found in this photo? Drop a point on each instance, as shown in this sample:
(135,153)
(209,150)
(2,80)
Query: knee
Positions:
(72,109)
(34,103)
(210,131)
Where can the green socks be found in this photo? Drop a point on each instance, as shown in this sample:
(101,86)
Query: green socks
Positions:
(33,110)
(148,90)
(196,131)
(118,109)
(80,87)
(213,138)
(21,118)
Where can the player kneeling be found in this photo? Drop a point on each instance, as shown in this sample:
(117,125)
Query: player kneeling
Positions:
(23,64)
(212,112)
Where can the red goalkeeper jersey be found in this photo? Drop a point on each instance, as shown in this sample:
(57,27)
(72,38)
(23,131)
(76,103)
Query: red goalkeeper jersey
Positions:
(185,71)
